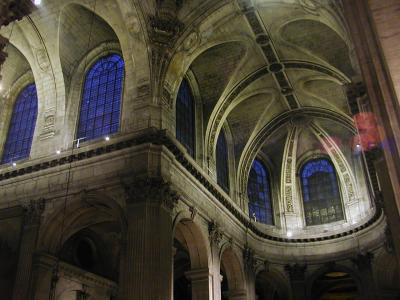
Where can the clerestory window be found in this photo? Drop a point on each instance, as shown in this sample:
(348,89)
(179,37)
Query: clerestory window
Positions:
(259,194)
(101,99)
(22,126)
(321,195)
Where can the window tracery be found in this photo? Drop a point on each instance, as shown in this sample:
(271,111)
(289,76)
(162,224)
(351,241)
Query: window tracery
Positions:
(259,194)
(321,195)
(101,98)
(22,126)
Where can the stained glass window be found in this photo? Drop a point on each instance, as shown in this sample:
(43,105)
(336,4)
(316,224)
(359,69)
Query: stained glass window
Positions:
(259,194)
(222,162)
(22,126)
(101,99)
(185,119)
(321,195)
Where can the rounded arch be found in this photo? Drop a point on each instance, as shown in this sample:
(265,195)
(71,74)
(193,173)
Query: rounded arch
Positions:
(82,211)
(332,268)
(190,236)
(257,140)
(271,284)
(232,267)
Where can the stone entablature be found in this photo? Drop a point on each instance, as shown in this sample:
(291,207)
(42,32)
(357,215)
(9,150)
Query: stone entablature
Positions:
(134,146)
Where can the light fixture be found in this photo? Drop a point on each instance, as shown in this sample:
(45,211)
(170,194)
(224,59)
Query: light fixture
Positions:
(58,151)
(289,234)
(37,2)
(14,164)
(358,145)
(107,138)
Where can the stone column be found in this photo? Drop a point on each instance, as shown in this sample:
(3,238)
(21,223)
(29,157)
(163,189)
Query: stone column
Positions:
(296,274)
(249,263)
(28,243)
(201,280)
(364,266)
(147,271)
(43,278)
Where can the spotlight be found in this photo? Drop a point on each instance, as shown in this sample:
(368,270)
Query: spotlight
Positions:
(58,151)
(37,2)
(289,234)
(14,164)
(358,145)
(107,138)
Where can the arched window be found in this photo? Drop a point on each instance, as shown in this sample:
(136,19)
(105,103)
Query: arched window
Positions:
(321,195)
(222,162)
(22,126)
(185,126)
(101,98)
(259,194)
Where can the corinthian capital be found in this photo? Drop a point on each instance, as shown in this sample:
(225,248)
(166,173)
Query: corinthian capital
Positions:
(33,212)
(152,190)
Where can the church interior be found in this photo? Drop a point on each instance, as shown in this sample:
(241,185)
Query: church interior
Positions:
(199,149)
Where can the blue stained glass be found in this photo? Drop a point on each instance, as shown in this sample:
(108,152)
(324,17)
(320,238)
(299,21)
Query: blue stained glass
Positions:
(185,118)
(101,99)
(321,196)
(222,162)
(22,126)
(259,194)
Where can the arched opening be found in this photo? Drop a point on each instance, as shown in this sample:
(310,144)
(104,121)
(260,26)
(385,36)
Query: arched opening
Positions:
(269,286)
(233,282)
(335,285)
(191,272)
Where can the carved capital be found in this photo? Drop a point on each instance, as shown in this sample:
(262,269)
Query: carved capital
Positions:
(296,271)
(150,190)
(12,10)
(249,259)
(363,261)
(33,212)
(215,233)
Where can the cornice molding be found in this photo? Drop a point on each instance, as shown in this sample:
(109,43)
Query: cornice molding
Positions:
(160,137)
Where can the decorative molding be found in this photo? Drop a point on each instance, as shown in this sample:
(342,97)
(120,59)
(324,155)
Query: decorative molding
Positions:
(363,261)
(34,211)
(14,10)
(288,179)
(215,233)
(249,259)
(160,137)
(296,272)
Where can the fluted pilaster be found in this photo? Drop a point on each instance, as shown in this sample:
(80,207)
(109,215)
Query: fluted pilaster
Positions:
(147,268)
(29,237)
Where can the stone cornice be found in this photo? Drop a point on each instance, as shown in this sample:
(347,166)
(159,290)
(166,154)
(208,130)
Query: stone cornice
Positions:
(160,137)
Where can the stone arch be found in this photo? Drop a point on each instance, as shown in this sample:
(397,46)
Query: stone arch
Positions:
(189,234)
(257,140)
(232,267)
(332,268)
(81,211)
(271,284)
